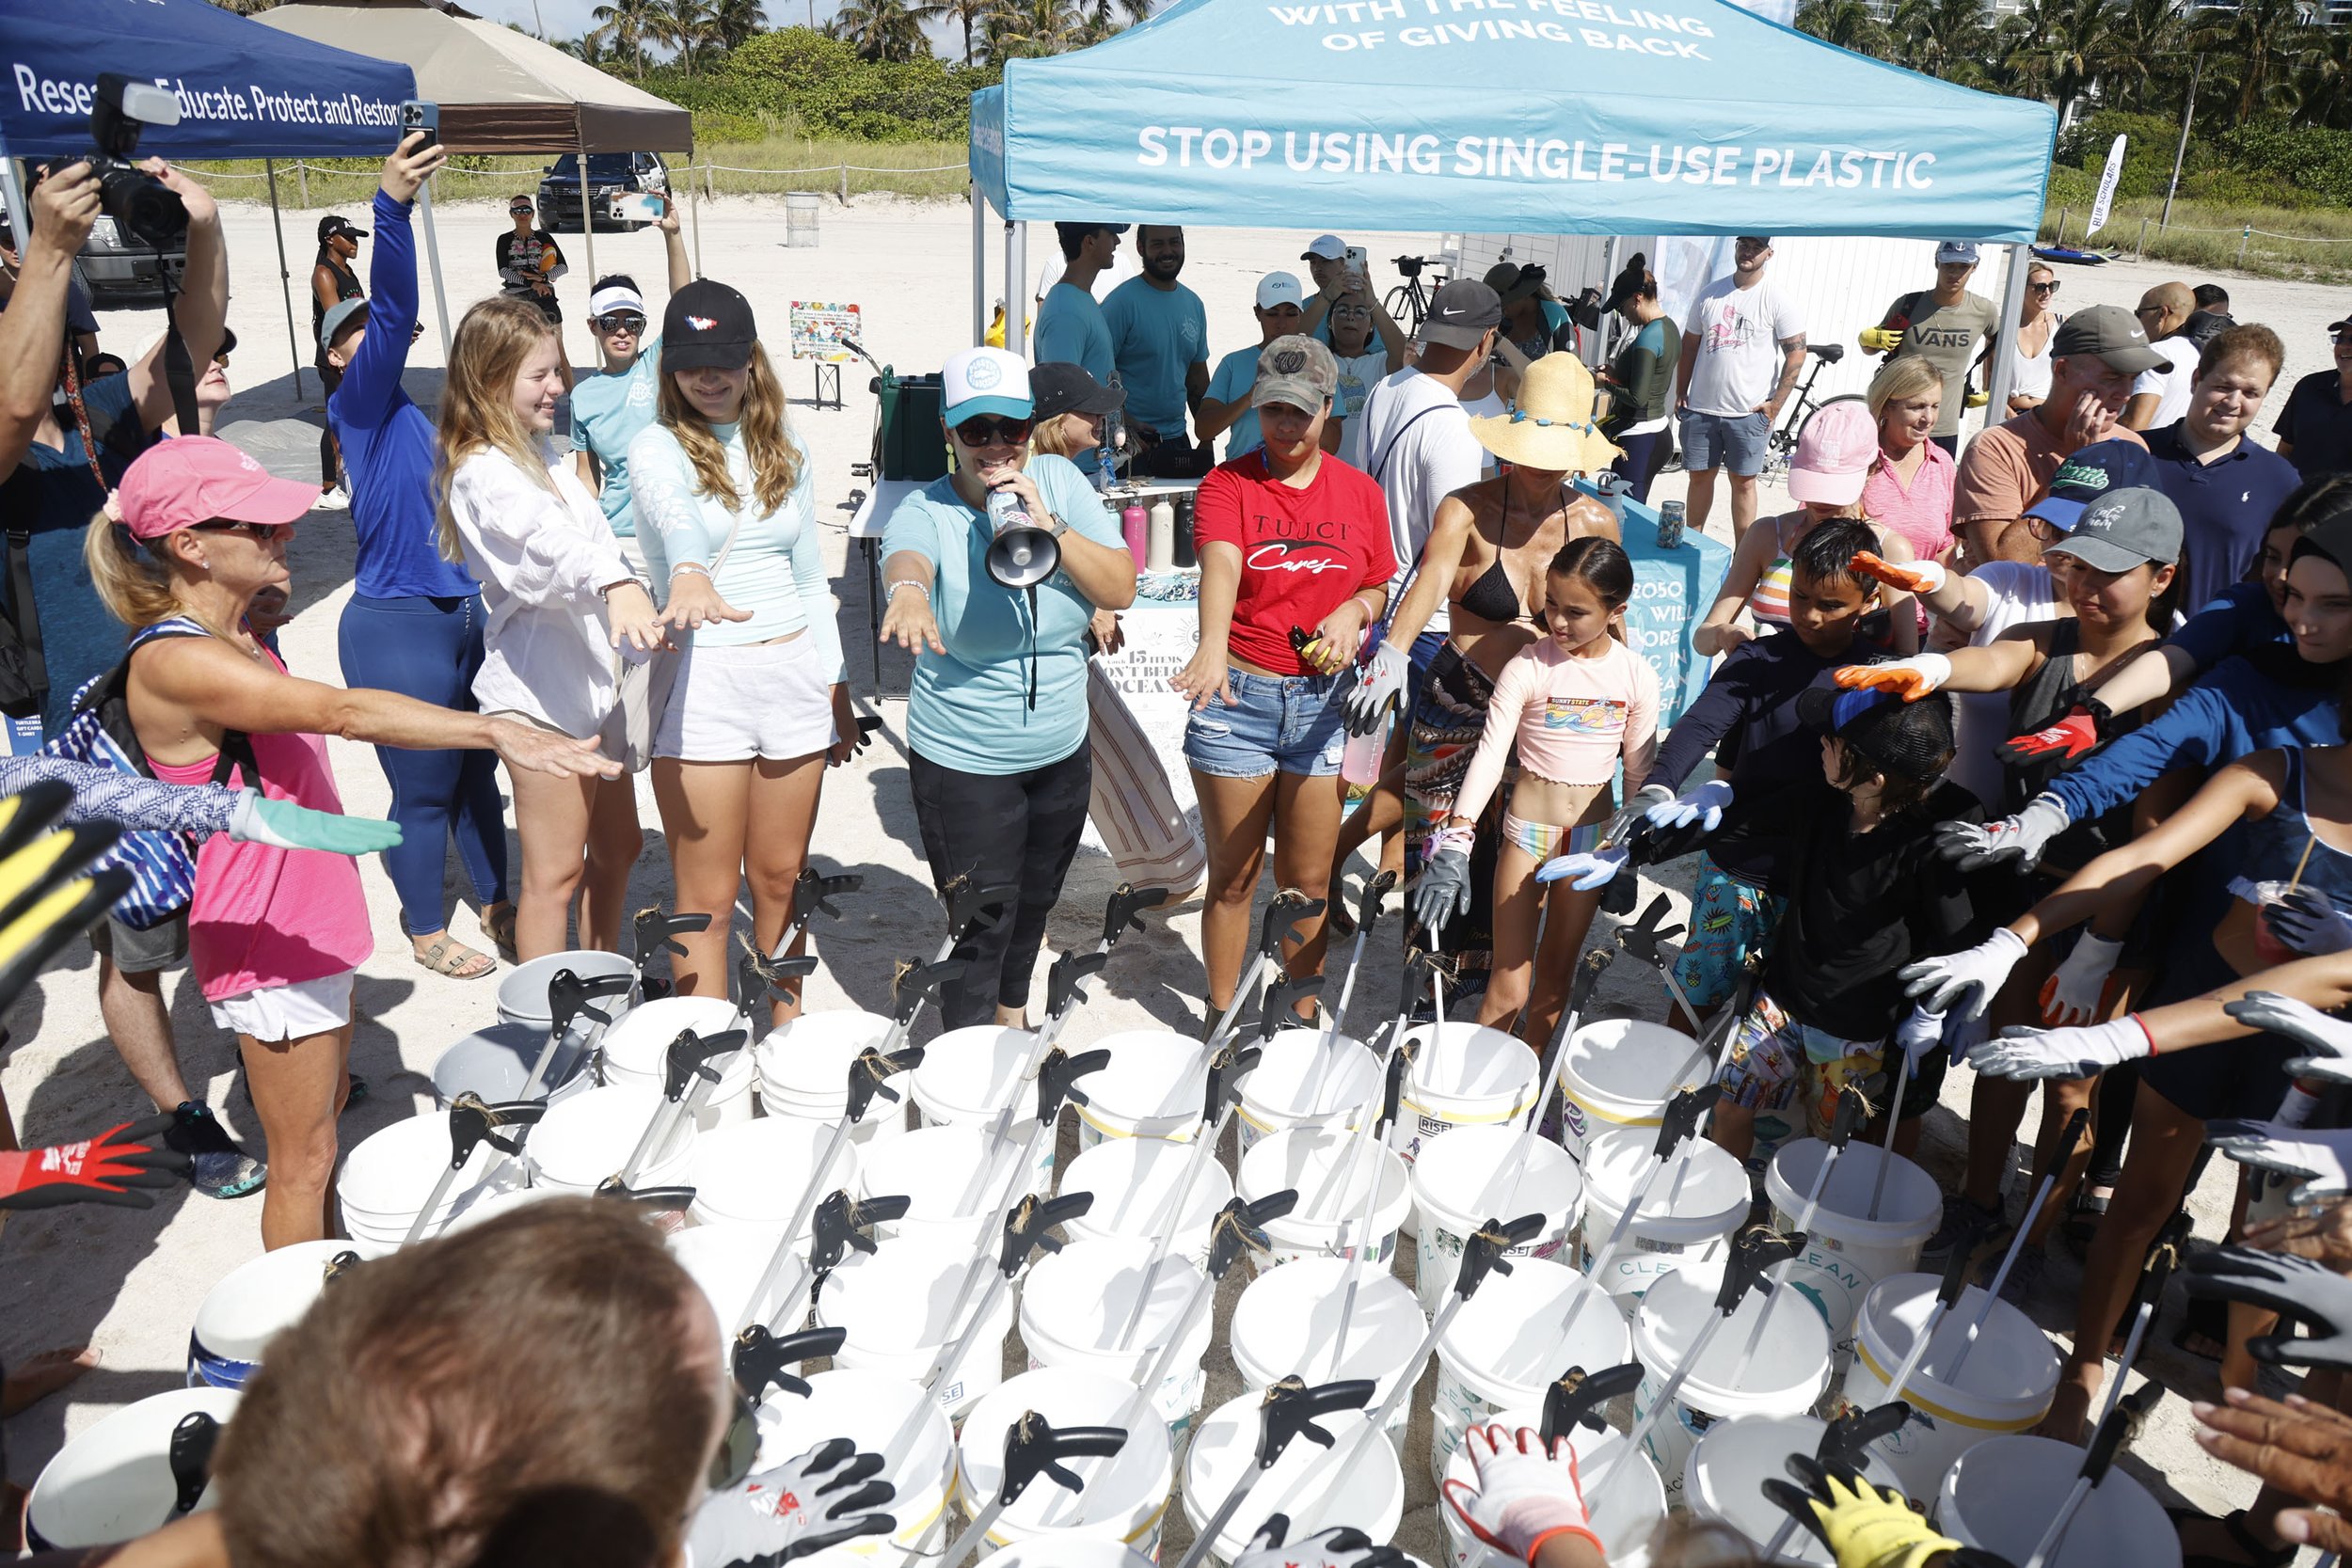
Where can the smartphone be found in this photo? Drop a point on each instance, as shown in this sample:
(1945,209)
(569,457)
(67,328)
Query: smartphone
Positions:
(417,115)
(1359,260)
(640,207)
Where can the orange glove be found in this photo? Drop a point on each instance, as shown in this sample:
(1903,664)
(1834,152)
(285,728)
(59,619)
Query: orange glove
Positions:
(1912,576)
(1908,678)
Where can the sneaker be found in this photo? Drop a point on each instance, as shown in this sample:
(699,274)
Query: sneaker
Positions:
(1964,1225)
(2024,1275)
(218,1167)
(337,500)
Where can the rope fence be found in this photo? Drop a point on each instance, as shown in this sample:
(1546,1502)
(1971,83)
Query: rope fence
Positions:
(2246,233)
(742,180)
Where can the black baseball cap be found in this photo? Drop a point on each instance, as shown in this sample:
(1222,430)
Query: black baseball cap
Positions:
(1067,232)
(1906,740)
(707,325)
(334,224)
(1460,314)
(1056,388)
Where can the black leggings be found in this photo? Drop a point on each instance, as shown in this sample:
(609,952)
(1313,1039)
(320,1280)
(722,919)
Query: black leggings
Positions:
(331,458)
(992,828)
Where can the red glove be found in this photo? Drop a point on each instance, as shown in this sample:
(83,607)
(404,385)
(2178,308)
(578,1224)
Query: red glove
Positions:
(109,1168)
(2066,741)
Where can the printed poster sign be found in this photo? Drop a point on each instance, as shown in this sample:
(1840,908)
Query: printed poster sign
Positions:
(819,329)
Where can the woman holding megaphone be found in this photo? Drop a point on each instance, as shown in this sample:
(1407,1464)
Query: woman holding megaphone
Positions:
(991,576)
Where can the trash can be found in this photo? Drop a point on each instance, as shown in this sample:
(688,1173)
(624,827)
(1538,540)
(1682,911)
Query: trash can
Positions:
(799,218)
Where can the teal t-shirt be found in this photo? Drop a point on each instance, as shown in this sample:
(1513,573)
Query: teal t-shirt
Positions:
(1157,336)
(1070,331)
(1235,374)
(970,710)
(608,412)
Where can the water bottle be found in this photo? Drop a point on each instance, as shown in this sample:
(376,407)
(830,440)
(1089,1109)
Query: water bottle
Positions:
(1160,552)
(1670,515)
(1185,555)
(1360,760)
(1612,488)
(1107,456)
(1136,525)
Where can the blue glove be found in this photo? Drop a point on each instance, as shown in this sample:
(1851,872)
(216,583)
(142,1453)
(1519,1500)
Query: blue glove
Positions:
(1588,870)
(2310,923)
(1443,889)
(1704,805)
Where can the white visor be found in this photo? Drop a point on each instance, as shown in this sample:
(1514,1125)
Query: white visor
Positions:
(605,301)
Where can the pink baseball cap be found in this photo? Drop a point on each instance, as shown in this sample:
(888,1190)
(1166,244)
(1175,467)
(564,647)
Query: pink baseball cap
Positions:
(1833,454)
(200,479)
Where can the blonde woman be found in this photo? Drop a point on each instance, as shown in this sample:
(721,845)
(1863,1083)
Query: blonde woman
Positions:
(727,522)
(558,599)
(274,933)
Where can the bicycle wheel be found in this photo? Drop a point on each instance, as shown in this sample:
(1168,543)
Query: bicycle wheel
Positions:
(1406,306)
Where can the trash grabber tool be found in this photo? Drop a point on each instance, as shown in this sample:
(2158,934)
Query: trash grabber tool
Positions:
(1063,993)
(759,1362)
(1894,1118)
(192,1440)
(569,996)
(1287,1412)
(1502,1187)
(812,896)
(657,933)
(1056,1081)
(1854,1110)
(1284,912)
(973,910)
(913,985)
(689,1071)
(1844,1443)
(1418,964)
(1393,1093)
(1367,914)
(471,1124)
(1239,1226)
(1645,940)
(840,1228)
(1033,1448)
(2147,1297)
(2101,1454)
(1575,1398)
(2074,1125)
(1124,913)
(1677,1126)
(755,977)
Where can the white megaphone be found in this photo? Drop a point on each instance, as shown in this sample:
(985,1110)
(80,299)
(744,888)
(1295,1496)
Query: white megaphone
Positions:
(1022,554)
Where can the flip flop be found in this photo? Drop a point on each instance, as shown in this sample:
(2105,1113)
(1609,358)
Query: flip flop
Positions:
(502,934)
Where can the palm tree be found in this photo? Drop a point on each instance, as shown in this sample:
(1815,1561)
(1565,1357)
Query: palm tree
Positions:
(2141,70)
(884,29)
(689,27)
(970,13)
(2324,90)
(627,26)
(735,23)
(1847,23)
(1949,39)
(2258,45)
(2055,47)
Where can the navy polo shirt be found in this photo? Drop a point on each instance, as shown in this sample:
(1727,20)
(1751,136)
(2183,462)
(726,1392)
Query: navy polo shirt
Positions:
(2317,423)
(2226,506)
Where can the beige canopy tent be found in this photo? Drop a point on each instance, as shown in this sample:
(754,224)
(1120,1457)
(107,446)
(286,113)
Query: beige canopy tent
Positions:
(498,91)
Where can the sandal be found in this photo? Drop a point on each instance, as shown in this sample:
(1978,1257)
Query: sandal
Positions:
(502,934)
(2233,1524)
(2082,1223)
(449,958)
(2206,1334)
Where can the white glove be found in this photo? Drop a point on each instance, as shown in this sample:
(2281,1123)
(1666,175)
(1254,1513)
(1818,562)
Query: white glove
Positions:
(1524,1496)
(1919,1036)
(1341,1547)
(2076,1053)
(817,1499)
(2077,993)
(2328,1037)
(2016,841)
(1588,871)
(1935,983)
(1380,688)
(1704,805)
(2310,923)
(2324,1158)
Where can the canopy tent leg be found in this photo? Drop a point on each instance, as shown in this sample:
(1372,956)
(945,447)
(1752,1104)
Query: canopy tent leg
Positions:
(1016,290)
(1999,378)
(693,206)
(285,279)
(433,263)
(1599,353)
(979,266)
(587,218)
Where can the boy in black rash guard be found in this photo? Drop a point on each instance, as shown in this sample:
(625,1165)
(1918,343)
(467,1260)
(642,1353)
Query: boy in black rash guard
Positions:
(1865,892)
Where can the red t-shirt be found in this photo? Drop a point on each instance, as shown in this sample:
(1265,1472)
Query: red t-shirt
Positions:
(1302,551)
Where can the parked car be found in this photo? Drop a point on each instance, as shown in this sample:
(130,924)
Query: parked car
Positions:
(124,272)
(610,174)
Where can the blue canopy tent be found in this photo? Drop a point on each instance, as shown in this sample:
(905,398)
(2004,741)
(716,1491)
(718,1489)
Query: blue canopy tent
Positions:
(244,90)
(1553,117)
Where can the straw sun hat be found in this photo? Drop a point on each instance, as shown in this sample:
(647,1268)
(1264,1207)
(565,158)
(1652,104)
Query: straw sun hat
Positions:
(1551,427)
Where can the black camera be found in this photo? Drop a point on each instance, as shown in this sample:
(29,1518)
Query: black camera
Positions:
(136,200)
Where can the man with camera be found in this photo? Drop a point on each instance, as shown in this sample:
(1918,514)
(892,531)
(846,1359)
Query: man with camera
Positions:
(61,460)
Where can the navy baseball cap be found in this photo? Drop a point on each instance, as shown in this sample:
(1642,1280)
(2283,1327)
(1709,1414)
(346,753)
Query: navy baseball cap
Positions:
(2091,473)
(1909,740)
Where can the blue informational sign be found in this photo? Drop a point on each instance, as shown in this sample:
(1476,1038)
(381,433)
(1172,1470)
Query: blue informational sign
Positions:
(1671,591)
(1544,117)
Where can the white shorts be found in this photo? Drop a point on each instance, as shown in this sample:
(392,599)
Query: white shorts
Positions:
(289,1013)
(732,703)
(633,556)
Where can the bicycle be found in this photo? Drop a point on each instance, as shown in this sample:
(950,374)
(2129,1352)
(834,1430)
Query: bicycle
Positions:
(1781,442)
(1407,304)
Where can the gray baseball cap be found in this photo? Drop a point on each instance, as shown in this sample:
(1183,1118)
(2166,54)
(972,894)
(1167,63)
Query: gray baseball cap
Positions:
(339,315)
(1460,314)
(2124,529)
(1295,369)
(2107,332)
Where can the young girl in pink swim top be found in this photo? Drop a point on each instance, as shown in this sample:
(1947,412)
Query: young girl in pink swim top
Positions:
(1577,701)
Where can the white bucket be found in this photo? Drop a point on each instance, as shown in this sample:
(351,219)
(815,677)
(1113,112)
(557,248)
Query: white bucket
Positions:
(1135,1181)
(1301,1082)
(894,1304)
(496,1204)
(636,1050)
(944,1174)
(1620,1072)
(1784,1375)
(726,1260)
(871,1409)
(2006,1383)
(755,1173)
(1697,1202)
(1723,1479)
(386,1179)
(1288,1320)
(1459,1183)
(968,1076)
(1468,1076)
(1078,1552)
(251,1306)
(804,1073)
(2002,1495)
(523,993)
(1845,1253)
(1507,1345)
(495,1063)
(1333,1164)
(1075,1304)
(1305,1483)
(1153,1087)
(585,1139)
(113,1480)
(1624,1516)
(1124,1497)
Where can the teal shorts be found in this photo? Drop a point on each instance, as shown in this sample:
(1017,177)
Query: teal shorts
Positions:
(1729,920)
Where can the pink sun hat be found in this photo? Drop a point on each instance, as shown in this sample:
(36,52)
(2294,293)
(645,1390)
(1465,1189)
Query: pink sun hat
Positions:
(1835,451)
(202,479)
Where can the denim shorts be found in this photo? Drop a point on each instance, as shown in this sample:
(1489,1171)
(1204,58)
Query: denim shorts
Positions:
(1275,723)
(1733,441)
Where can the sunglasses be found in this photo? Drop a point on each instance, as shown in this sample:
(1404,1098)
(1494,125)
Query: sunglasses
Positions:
(2049,287)
(264,532)
(518,212)
(617,322)
(986,432)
